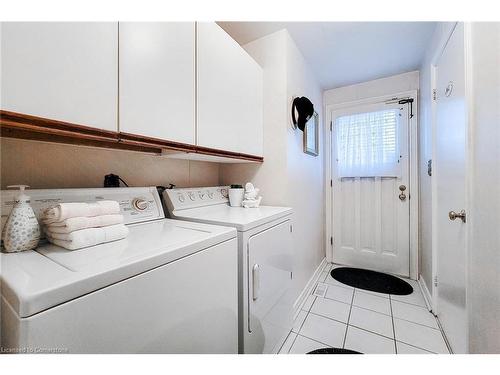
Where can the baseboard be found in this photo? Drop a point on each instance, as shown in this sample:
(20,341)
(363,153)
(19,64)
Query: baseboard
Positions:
(308,288)
(425,292)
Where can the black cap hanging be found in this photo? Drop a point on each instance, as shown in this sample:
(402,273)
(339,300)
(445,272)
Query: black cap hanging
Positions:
(302,111)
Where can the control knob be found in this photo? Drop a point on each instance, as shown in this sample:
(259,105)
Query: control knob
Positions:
(140,204)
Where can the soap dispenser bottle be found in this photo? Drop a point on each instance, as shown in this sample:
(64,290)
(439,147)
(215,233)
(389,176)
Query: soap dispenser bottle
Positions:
(21,231)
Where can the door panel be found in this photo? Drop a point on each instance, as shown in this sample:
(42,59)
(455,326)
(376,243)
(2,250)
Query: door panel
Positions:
(230,91)
(371,223)
(450,151)
(157,80)
(65,71)
(270,284)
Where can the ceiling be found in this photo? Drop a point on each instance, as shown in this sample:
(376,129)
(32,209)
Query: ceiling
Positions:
(345,53)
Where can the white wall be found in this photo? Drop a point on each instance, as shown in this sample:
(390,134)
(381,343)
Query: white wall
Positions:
(43,165)
(288,176)
(483,289)
(372,89)
(436,44)
(305,172)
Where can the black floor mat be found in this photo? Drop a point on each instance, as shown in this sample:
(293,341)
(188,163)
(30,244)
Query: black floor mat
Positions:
(333,351)
(371,280)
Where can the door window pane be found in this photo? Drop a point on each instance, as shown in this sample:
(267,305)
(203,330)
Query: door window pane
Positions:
(368,144)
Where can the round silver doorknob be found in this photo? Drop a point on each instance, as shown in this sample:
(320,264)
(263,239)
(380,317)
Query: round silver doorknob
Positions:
(454,215)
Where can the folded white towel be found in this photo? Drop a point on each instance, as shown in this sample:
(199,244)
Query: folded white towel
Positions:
(64,211)
(88,237)
(77,223)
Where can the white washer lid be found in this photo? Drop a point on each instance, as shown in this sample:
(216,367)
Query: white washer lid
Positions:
(240,218)
(34,281)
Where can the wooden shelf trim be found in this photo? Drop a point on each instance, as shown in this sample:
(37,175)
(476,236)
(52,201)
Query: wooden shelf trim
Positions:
(18,125)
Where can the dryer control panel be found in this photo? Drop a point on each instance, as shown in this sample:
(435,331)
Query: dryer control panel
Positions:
(179,199)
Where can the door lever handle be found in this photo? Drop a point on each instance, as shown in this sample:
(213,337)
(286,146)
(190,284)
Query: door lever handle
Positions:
(461,215)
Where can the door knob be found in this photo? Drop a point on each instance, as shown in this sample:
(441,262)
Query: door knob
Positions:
(453,215)
(402,195)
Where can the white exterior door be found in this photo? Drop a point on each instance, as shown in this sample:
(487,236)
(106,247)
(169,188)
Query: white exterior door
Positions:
(371,189)
(450,177)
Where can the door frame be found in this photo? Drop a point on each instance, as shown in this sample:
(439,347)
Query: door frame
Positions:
(469,172)
(413,173)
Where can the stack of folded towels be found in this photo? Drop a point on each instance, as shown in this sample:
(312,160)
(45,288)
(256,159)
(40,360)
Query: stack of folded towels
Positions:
(77,225)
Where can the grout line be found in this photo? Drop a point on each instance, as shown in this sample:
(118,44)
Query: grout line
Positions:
(293,343)
(412,304)
(312,304)
(284,342)
(417,347)
(443,335)
(370,293)
(340,286)
(337,300)
(302,324)
(375,311)
(420,324)
(374,333)
(327,317)
(393,328)
(348,319)
(310,338)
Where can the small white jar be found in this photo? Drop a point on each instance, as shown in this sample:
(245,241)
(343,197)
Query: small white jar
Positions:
(236,196)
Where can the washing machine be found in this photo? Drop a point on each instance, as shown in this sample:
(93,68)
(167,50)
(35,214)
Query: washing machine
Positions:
(169,287)
(265,249)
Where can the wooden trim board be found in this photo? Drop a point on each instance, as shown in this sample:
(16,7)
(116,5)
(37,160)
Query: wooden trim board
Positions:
(18,125)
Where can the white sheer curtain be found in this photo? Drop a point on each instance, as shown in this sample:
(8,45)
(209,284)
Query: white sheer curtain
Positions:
(368,144)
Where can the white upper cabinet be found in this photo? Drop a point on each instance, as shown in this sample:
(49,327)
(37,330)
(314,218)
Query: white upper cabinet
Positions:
(229,97)
(61,71)
(157,80)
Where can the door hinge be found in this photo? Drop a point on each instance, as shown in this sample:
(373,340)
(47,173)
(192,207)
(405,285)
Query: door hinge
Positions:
(291,228)
(331,241)
(434,94)
(435,281)
(331,125)
(331,183)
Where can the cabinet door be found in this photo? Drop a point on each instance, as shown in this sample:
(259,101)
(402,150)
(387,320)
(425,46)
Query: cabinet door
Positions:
(270,296)
(157,80)
(229,93)
(62,71)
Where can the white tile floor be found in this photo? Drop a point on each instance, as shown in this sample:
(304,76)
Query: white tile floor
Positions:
(368,322)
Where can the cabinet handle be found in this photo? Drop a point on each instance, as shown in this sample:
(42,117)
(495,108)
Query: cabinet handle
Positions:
(255,281)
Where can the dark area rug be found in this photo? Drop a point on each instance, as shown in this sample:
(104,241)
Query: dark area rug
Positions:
(333,351)
(372,281)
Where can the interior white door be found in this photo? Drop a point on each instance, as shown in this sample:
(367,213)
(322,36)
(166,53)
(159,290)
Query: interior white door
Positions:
(450,175)
(371,217)
(65,71)
(157,80)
